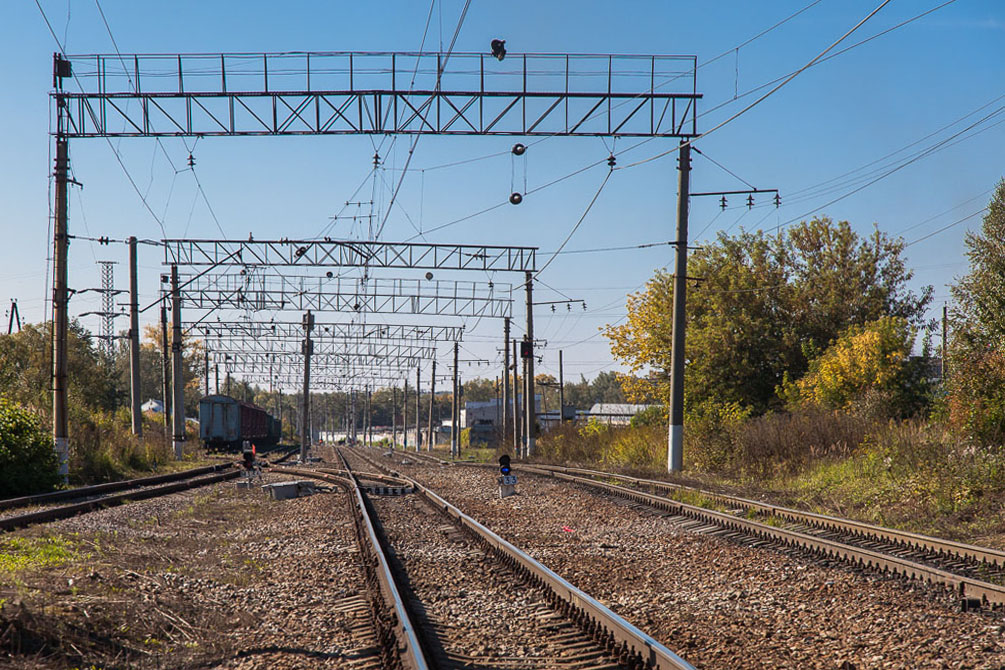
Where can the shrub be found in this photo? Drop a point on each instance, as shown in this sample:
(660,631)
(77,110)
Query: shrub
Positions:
(710,432)
(28,463)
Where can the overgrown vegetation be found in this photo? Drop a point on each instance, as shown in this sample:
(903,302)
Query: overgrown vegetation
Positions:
(27,460)
(804,381)
(102,446)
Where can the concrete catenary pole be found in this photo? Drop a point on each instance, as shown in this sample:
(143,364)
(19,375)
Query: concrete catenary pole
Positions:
(455,436)
(165,375)
(561,389)
(530,412)
(675,446)
(404,416)
(505,376)
(517,450)
(177,368)
(394,416)
(305,420)
(135,393)
(418,419)
(945,339)
(432,402)
(60,305)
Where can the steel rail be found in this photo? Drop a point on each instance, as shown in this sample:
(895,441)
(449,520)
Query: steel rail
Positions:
(908,539)
(66,511)
(109,487)
(408,652)
(966,587)
(586,610)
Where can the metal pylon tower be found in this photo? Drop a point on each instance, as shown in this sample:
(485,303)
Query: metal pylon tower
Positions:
(107,332)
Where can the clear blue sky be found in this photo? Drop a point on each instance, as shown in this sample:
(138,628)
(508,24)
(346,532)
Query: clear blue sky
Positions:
(832,119)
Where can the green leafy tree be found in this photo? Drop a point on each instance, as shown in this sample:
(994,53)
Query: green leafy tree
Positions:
(764,301)
(28,463)
(872,359)
(975,383)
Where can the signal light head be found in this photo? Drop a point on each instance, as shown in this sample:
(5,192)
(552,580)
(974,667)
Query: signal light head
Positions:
(504,466)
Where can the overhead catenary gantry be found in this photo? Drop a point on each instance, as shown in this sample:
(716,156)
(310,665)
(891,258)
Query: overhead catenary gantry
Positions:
(347,296)
(352,93)
(297,93)
(345,331)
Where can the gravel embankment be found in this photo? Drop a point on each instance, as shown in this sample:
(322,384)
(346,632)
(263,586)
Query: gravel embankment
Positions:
(212,577)
(719,604)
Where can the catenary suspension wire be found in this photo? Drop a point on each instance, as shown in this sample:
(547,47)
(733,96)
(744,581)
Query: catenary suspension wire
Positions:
(764,97)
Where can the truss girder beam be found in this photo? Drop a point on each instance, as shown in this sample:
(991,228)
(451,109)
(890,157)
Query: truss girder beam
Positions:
(317,301)
(347,332)
(335,349)
(340,253)
(381,93)
(401,366)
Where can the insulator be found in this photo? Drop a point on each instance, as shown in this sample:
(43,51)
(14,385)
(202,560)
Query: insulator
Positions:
(191,160)
(722,202)
(750,201)
(519,149)
(553,309)
(515,198)
(376,160)
(611,161)
(778,200)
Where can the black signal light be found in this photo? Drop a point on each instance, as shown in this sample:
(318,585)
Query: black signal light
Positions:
(504,466)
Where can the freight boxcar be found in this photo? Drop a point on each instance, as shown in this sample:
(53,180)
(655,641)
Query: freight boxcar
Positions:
(225,423)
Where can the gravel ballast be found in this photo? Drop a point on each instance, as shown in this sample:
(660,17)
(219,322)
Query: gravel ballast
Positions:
(715,602)
(212,577)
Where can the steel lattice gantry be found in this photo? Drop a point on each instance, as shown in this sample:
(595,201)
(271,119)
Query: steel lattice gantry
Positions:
(359,380)
(322,365)
(347,253)
(347,332)
(335,352)
(373,296)
(340,93)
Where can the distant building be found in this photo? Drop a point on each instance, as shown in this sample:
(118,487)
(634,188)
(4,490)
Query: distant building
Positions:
(489,412)
(616,413)
(152,405)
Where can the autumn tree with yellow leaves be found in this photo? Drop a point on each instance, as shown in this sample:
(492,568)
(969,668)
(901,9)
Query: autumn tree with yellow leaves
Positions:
(760,304)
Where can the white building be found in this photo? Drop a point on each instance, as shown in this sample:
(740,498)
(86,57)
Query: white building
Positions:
(618,414)
(153,405)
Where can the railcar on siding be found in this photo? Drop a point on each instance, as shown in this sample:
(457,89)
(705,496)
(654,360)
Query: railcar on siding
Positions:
(225,423)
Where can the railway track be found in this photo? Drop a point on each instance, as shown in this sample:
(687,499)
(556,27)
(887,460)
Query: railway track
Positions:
(481,602)
(100,496)
(977,574)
